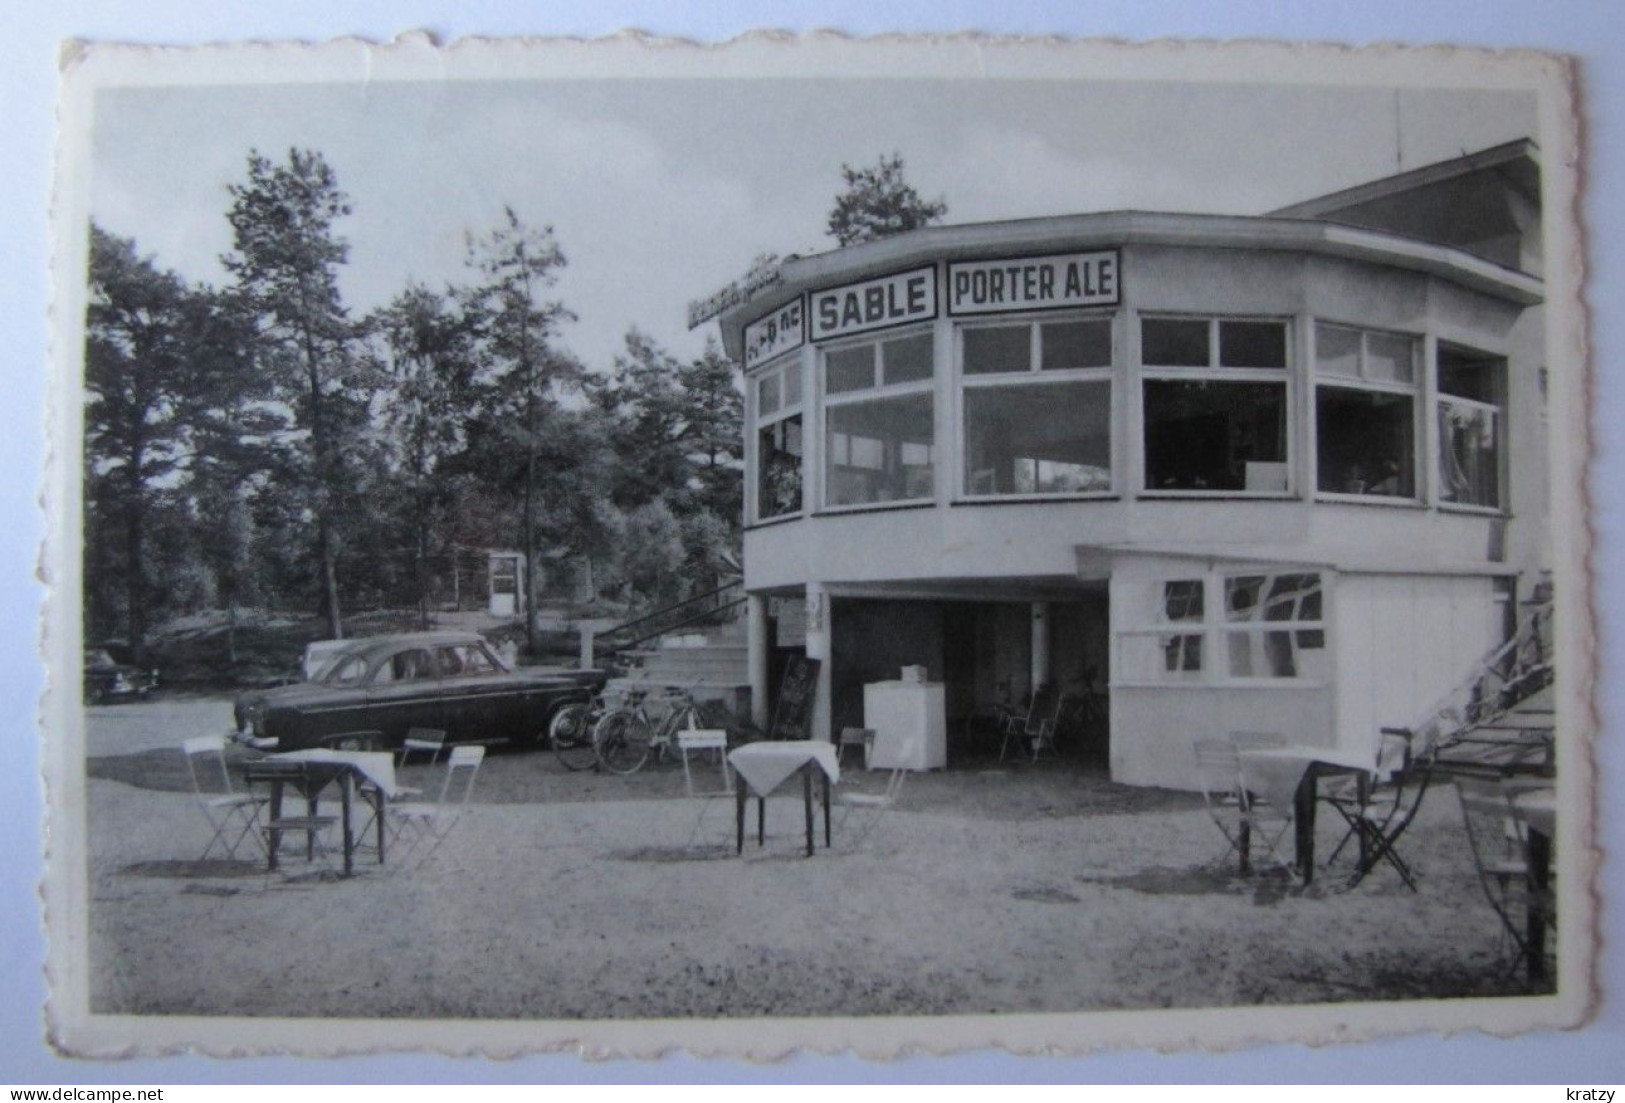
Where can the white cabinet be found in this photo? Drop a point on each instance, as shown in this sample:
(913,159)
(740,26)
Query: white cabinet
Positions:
(910,722)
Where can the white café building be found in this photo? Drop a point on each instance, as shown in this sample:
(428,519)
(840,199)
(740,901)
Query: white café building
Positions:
(1281,473)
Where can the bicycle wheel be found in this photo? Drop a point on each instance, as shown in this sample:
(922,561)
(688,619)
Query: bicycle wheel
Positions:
(621,740)
(570,732)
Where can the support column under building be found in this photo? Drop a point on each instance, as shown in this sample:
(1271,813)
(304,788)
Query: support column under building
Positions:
(1042,668)
(818,647)
(756,641)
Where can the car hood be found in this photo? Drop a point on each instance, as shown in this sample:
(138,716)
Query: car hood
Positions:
(304,692)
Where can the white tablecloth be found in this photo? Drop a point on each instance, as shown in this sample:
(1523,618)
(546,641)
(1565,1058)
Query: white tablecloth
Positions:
(766,766)
(377,767)
(1275,773)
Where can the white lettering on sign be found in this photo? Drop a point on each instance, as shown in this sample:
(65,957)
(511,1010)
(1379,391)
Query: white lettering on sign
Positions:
(1034,283)
(875,304)
(780,331)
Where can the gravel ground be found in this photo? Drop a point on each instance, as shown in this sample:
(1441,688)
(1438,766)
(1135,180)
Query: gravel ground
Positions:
(579,896)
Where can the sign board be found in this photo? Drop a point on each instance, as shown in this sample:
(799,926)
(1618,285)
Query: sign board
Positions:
(1035,283)
(763,272)
(782,330)
(875,304)
(796,694)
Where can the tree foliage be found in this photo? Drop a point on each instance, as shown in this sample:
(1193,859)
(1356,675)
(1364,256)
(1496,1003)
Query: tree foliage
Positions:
(878,202)
(255,444)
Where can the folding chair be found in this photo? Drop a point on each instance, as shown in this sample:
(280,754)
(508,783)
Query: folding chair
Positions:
(1365,817)
(1248,823)
(699,741)
(426,824)
(1393,807)
(875,805)
(424,741)
(1501,856)
(313,826)
(1037,727)
(226,809)
(862,738)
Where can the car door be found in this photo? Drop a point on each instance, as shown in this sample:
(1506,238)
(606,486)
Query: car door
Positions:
(471,701)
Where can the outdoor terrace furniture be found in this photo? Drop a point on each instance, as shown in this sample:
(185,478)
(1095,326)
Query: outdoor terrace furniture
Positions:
(1372,810)
(874,805)
(1287,780)
(763,767)
(234,816)
(1036,728)
(1515,881)
(1247,820)
(421,741)
(862,738)
(697,741)
(429,825)
(369,774)
(278,775)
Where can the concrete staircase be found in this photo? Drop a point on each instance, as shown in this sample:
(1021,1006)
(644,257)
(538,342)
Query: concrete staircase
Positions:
(713,664)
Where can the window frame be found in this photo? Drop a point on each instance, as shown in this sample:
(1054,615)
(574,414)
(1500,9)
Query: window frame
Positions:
(1415,390)
(1499,366)
(1034,375)
(1215,372)
(777,368)
(878,390)
(1214,629)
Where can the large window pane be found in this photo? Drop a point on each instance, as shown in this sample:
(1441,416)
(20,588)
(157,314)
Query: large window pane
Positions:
(1252,344)
(1174,342)
(792,385)
(879,451)
(1469,454)
(1215,435)
(850,369)
(1469,427)
(1389,359)
(1337,351)
(778,468)
(1367,442)
(907,359)
(998,349)
(767,395)
(1053,438)
(1085,344)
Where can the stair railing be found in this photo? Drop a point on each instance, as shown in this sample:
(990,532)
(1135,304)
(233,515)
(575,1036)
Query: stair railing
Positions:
(708,607)
(1497,684)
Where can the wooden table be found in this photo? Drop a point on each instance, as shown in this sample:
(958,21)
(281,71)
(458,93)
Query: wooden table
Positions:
(763,767)
(348,768)
(1293,774)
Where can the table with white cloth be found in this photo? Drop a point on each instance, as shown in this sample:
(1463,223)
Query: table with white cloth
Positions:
(763,767)
(1290,777)
(372,772)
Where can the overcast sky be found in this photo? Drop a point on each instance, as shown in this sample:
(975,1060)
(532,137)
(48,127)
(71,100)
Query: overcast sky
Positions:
(660,192)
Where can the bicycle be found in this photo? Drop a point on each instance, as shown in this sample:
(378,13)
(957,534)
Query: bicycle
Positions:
(624,737)
(571,733)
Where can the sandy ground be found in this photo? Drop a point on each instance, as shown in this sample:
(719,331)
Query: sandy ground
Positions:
(576,896)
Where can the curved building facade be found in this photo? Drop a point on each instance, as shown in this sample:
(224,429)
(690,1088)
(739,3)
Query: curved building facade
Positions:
(1225,473)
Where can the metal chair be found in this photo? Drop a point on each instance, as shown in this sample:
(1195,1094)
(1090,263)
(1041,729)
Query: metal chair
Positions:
(1500,854)
(226,809)
(1037,727)
(875,805)
(862,738)
(426,824)
(1249,824)
(424,741)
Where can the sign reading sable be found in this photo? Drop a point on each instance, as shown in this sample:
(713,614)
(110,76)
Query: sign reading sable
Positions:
(875,304)
(782,330)
(1034,283)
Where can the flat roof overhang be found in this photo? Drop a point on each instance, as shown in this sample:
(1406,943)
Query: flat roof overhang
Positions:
(988,240)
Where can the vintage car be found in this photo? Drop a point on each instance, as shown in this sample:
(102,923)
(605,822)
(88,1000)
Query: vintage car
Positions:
(107,679)
(372,692)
